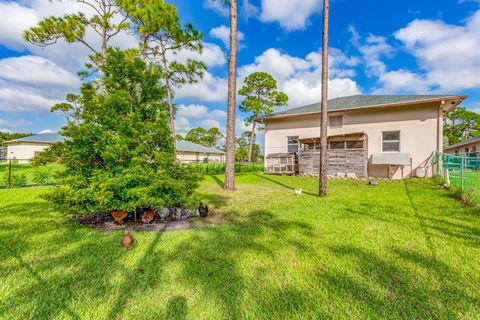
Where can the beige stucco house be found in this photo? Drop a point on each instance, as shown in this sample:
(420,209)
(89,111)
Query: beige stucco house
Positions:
(368,136)
(189,152)
(468,147)
(23,149)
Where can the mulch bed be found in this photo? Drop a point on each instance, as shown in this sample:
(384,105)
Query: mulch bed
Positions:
(106,222)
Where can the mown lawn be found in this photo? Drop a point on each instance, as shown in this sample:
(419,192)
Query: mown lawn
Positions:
(29,172)
(471,183)
(402,250)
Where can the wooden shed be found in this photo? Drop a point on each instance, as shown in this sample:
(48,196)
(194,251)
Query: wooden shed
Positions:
(347,155)
(282,163)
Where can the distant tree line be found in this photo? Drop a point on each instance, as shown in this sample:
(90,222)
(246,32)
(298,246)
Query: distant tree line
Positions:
(214,138)
(7,136)
(460,125)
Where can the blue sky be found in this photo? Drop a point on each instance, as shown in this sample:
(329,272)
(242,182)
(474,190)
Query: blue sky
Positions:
(377,47)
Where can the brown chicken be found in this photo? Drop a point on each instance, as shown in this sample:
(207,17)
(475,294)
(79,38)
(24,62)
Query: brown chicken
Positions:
(148,216)
(127,240)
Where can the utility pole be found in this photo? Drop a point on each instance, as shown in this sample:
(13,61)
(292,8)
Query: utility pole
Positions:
(322,192)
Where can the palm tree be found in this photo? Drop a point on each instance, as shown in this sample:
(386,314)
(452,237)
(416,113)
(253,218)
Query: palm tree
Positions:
(322,192)
(232,104)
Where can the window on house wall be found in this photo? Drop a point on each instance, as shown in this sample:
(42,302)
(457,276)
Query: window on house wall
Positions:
(292,144)
(312,146)
(337,145)
(335,121)
(342,145)
(391,141)
(355,144)
(466,150)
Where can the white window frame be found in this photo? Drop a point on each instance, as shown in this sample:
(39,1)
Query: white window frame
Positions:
(291,144)
(399,140)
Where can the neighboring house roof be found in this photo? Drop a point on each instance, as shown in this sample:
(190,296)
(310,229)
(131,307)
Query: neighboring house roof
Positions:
(49,138)
(363,102)
(464,143)
(187,146)
(182,145)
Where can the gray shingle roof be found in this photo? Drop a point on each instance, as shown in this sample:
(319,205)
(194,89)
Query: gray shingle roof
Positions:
(359,101)
(468,141)
(41,137)
(187,146)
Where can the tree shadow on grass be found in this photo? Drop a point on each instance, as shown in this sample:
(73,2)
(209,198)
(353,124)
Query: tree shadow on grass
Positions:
(218,181)
(73,268)
(282,184)
(386,288)
(211,259)
(60,262)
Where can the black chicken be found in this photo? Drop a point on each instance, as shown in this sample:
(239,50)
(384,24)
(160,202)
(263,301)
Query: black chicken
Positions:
(203,210)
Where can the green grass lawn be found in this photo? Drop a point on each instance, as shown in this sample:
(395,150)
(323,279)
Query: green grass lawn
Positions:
(402,250)
(28,171)
(471,182)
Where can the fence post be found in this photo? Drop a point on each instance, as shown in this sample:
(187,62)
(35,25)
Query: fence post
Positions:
(9,173)
(462,170)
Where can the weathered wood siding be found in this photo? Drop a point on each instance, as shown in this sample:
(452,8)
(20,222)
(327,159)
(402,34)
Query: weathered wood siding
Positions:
(339,162)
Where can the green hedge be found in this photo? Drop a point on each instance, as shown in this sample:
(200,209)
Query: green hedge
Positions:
(219,168)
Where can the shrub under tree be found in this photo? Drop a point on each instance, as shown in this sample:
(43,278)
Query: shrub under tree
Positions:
(118,153)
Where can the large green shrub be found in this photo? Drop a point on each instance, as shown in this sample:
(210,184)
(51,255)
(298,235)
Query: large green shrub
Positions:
(41,175)
(16,180)
(118,153)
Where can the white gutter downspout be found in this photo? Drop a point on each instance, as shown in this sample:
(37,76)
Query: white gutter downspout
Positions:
(439,118)
(439,135)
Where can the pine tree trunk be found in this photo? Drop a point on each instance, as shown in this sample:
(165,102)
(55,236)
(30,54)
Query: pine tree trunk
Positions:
(169,100)
(324,111)
(250,147)
(232,104)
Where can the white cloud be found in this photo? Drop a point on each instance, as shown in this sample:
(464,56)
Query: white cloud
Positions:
(300,78)
(249,10)
(290,14)
(46,131)
(223,34)
(13,99)
(192,111)
(212,55)
(182,125)
(217,113)
(217,6)
(241,126)
(373,51)
(447,56)
(210,88)
(10,123)
(14,19)
(37,71)
(210,123)
(30,83)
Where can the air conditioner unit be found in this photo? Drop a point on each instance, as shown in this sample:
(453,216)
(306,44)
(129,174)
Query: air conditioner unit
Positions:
(421,172)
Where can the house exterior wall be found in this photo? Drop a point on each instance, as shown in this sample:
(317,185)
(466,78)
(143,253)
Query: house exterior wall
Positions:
(24,151)
(418,125)
(189,157)
(473,147)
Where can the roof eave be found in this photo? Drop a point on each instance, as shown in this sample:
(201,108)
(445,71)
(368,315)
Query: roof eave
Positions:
(34,141)
(374,107)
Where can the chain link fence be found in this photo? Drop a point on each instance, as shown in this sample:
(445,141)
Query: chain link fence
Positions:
(19,173)
(461,172)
